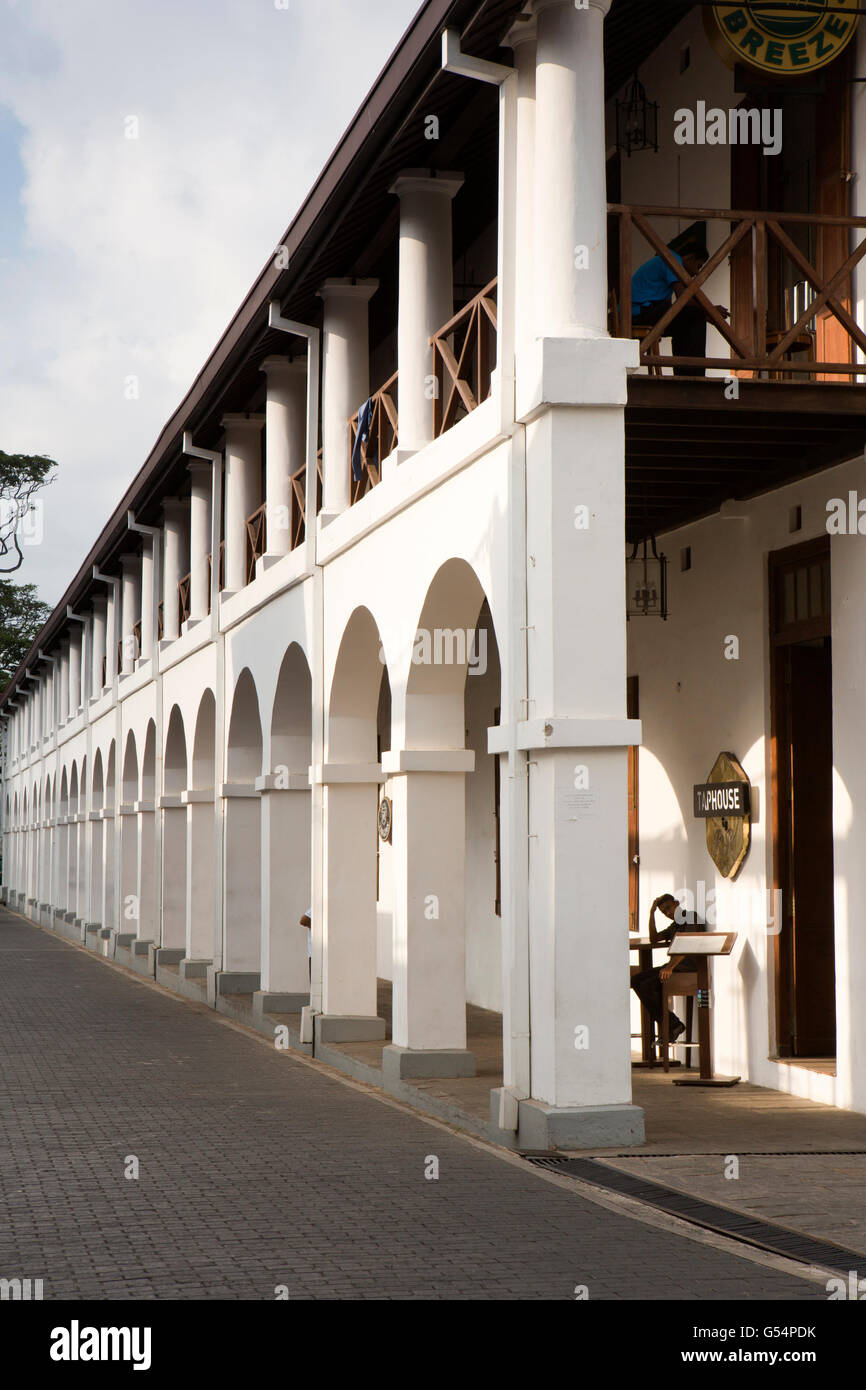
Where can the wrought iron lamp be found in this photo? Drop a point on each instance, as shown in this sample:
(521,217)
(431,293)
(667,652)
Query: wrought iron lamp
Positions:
(637,121)
(646,581)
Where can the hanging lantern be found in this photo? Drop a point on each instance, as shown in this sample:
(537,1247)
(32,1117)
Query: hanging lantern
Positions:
(637,121)
(646,582)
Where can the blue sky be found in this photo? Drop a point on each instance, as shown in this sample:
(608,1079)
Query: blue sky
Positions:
(126,258)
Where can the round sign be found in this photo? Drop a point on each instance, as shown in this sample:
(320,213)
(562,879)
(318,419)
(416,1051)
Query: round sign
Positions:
(772,37)
(385,818)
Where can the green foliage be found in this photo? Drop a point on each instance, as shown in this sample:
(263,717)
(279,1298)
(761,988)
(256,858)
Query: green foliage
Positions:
(22,614)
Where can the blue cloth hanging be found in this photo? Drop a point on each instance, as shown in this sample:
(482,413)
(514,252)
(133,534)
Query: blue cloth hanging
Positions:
(365,421)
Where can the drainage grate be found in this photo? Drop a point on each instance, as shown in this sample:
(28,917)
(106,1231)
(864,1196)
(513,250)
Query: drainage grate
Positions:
(725,1153)
(750,1230)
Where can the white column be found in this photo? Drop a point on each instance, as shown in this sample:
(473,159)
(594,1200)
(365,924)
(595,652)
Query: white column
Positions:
(175,560)
(75,671)
(148,904)
(345,382)
(100,606)
(37,712)
(112,632)
(201,487)
(63,712)
(201,896)
(285,809)
(129,912)
(174,874)
(243,491)
(429,956)
(522,39)
(285,438)
(426,298)
(349,908)
(51,697)
(130,607)
(147,597)
(243,881)
(570,199)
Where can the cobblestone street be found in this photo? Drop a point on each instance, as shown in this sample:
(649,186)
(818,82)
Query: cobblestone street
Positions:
(257,1170)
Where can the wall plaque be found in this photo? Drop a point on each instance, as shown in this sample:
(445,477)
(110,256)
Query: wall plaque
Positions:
(723,801)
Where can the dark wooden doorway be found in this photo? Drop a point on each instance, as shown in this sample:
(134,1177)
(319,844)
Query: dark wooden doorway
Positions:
(802,737)
(633,711)
(809,175)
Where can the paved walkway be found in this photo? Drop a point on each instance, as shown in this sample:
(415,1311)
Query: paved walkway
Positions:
(257,1169)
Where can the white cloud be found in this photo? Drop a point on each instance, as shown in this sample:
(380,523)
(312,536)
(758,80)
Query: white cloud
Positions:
(134,254)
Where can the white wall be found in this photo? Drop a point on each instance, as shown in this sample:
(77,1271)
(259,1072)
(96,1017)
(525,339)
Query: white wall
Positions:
(694,704)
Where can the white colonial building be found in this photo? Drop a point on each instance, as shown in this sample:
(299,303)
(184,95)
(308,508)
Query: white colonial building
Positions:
(404,691)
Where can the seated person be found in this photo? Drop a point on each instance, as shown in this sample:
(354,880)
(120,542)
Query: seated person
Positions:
(651,287)
(647,984)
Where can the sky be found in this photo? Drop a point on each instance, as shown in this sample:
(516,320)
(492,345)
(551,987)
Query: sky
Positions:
(151,157)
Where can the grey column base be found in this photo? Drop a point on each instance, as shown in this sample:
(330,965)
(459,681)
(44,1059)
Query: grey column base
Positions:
(91,935)
(236,981)
(194,969)
(337,1028)
(190,980)
(141,959)
(69,917)
(400,1063)
(120,947)
(61,927)
(543,1126)
(266,1003)
(165,961)
(168,955)
(233,992)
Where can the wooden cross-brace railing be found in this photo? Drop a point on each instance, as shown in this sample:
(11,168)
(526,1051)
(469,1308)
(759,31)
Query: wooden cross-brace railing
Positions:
(463,366)
(298,519)
(761,349)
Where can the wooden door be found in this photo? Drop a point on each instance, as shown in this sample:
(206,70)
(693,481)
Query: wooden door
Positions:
(810,831)
(802,803)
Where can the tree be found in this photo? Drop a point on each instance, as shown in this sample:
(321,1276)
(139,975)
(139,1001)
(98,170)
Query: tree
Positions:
(21,477)
(22,614)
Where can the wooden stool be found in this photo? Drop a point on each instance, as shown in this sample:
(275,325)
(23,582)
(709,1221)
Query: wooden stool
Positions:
(680,984)
(804,342)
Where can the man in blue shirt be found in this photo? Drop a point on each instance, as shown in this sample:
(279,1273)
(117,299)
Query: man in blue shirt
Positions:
(651,287)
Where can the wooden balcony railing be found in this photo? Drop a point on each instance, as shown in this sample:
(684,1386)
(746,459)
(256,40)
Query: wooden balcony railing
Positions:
(298,518)
(769,253)
(381,439)
(256,539)
(183,599)
(464,355)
